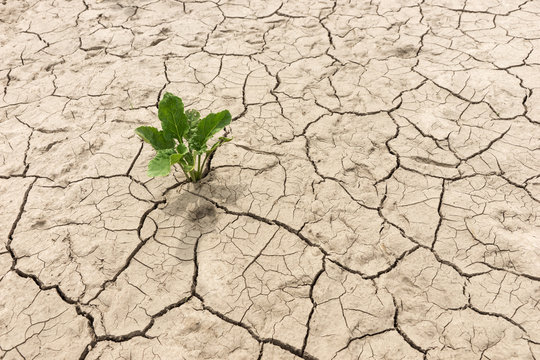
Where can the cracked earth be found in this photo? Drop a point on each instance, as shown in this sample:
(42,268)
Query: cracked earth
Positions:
(380,199)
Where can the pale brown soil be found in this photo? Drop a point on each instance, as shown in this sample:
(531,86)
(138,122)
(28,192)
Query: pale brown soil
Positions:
(380,199)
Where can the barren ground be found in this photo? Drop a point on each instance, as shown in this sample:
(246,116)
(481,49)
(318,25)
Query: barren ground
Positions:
(380,199)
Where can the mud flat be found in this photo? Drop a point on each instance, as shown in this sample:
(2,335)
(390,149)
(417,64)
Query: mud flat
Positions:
(380,199)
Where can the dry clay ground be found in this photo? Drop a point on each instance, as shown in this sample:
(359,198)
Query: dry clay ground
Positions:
(380,199)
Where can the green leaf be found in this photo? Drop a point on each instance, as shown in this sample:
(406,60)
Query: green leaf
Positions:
(185,161)
(220,142)
(182,149)
(213,123)
(158,139)
(193,116)
(175,158)
(160,165)
(188,162)
(207,127)
(171,114)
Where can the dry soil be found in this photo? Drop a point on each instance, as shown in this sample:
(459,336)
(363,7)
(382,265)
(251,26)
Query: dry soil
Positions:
(380,199)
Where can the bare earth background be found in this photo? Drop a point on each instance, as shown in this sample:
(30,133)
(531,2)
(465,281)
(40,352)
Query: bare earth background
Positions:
(380,199)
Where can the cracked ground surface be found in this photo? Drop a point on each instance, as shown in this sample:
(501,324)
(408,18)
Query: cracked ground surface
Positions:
(380,199)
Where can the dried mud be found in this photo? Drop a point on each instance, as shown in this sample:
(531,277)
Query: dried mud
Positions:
(380,199)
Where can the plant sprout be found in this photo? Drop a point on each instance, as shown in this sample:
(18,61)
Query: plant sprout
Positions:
(183,139)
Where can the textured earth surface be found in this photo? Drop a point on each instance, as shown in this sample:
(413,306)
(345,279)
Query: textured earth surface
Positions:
(380,199)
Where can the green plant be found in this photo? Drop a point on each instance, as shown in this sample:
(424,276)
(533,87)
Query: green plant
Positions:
(183,138)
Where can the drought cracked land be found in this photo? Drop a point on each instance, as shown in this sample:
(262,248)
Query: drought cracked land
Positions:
(380,199)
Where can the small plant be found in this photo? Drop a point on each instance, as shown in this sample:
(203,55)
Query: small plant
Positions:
(183,138)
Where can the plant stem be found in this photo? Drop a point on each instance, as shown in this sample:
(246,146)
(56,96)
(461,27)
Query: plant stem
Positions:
(204,161)
(199,165)
(185,173)
(196,173)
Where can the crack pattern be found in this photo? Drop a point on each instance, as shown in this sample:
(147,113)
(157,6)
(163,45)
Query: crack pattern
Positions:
(379,200)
